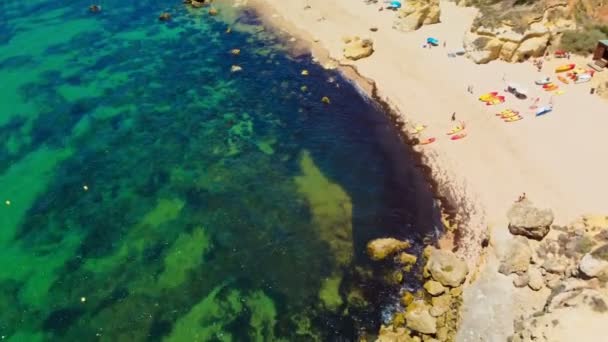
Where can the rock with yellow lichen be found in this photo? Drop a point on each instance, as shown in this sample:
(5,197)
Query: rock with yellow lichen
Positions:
(356,48)
(416,13)
(379,249)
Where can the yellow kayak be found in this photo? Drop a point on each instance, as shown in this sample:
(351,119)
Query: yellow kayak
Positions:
(418,129)
(509,115)
(514,118)
(487,97)
(455,130)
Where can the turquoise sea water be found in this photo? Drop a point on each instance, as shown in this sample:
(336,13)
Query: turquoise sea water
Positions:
(148,193)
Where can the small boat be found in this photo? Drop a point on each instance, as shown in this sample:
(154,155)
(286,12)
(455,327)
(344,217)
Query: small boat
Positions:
(506,111)
(495,101)
(455,130)
(545,86)
(543,81)
(552,88)
(543,110)
(458,136)
(426,141)
(563,79)
(514,118)
(488,96)
(418,129)
(565,67)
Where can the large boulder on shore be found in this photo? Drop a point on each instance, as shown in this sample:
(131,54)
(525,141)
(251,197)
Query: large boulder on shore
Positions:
(446,268)
(529,221)
(517,256)
(418,318)
(595,264)
(416,13)
(356,48)
(379,249)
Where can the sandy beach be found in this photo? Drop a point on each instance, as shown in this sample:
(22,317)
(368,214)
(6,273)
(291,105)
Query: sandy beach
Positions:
(556,159)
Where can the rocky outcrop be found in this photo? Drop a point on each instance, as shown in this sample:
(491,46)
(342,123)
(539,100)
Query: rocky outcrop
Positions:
(434,288)
(446,268)
(418,318)
(416,13)
(517,257)
(356,48)
(515,34)
(529,221)
(595,264)
(379,249)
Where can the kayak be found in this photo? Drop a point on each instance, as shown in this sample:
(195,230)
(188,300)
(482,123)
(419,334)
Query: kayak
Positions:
(458,136)
(552,88)
(506,111)
(548,85)
(543,110)
(418,129)
(563,79)
(509,115)
(432,41)
(513,119)
(455,130)
(488,96)
(543,81)
(495,101)
(426,141)
(565,67)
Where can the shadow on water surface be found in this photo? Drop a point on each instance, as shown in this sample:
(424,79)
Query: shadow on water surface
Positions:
(157,196)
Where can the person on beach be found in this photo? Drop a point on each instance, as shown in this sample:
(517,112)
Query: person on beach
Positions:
(444,43)
(454,116)
(521,197)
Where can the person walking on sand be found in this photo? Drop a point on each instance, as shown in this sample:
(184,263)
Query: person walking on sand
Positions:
(454,116)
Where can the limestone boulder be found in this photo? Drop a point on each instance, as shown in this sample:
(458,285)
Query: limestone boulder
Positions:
(379,249)
(419,318)
(527,220)
(517,256)
(595,264)
(356,48)
(434,288)
(440,305)
(446,268)
(482,49)
(416,13)
(531,47)
(535,279)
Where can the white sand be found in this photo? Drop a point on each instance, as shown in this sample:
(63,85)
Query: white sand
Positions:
(557,159)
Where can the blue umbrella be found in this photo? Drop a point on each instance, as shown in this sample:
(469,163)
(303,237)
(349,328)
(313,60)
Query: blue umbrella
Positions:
(396,4)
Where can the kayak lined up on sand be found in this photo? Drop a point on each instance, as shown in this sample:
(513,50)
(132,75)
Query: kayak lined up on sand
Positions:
(565,67)
(455,130)
(418,129)
(427,141)
(513,118)
(459,136)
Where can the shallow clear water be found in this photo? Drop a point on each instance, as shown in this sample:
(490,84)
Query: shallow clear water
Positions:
(148,193)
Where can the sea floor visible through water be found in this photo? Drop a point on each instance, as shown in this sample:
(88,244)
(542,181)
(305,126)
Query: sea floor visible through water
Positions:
(149,193)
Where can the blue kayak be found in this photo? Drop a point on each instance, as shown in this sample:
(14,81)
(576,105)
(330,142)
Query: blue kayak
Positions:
(395,4)
(543,110)
(432,41)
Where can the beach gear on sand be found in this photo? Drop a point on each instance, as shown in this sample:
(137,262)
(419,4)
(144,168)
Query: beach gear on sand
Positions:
(455,130)
(509,115)
(582,78)
(432,41)
(418,129)
(543,81)
(514,118)
(395,4)
(496,100)
(458,136)
(543,110)
(488,96)
(426,141)
(565,67)
(551,87)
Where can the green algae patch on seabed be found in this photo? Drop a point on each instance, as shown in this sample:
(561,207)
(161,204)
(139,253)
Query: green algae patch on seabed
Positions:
(185,254)
(330,206)
(22,183)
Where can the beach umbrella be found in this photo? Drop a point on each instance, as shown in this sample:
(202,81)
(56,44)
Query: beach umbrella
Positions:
(396,4)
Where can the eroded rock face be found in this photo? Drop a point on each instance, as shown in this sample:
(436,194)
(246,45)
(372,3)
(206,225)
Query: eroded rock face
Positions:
(446,268)
(595,264)
(379,249)
(356,48)
(517,34)
(529,221)
(416,13)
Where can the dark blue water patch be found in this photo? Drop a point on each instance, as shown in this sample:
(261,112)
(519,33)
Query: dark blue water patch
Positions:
(186,146)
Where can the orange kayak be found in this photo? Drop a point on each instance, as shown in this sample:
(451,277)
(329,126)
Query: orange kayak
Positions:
(426,141)
(563,79)
(513,118)
(565,67)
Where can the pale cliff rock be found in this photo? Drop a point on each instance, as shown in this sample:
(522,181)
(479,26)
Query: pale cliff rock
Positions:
(416,13)
(516,34)
(356,48)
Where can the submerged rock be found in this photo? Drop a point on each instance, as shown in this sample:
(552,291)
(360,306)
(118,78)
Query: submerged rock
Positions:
(434,288)
(517,257)
(446,268)
(379,249)
(356,48)
(419,318)
(529,221)
(164,16)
